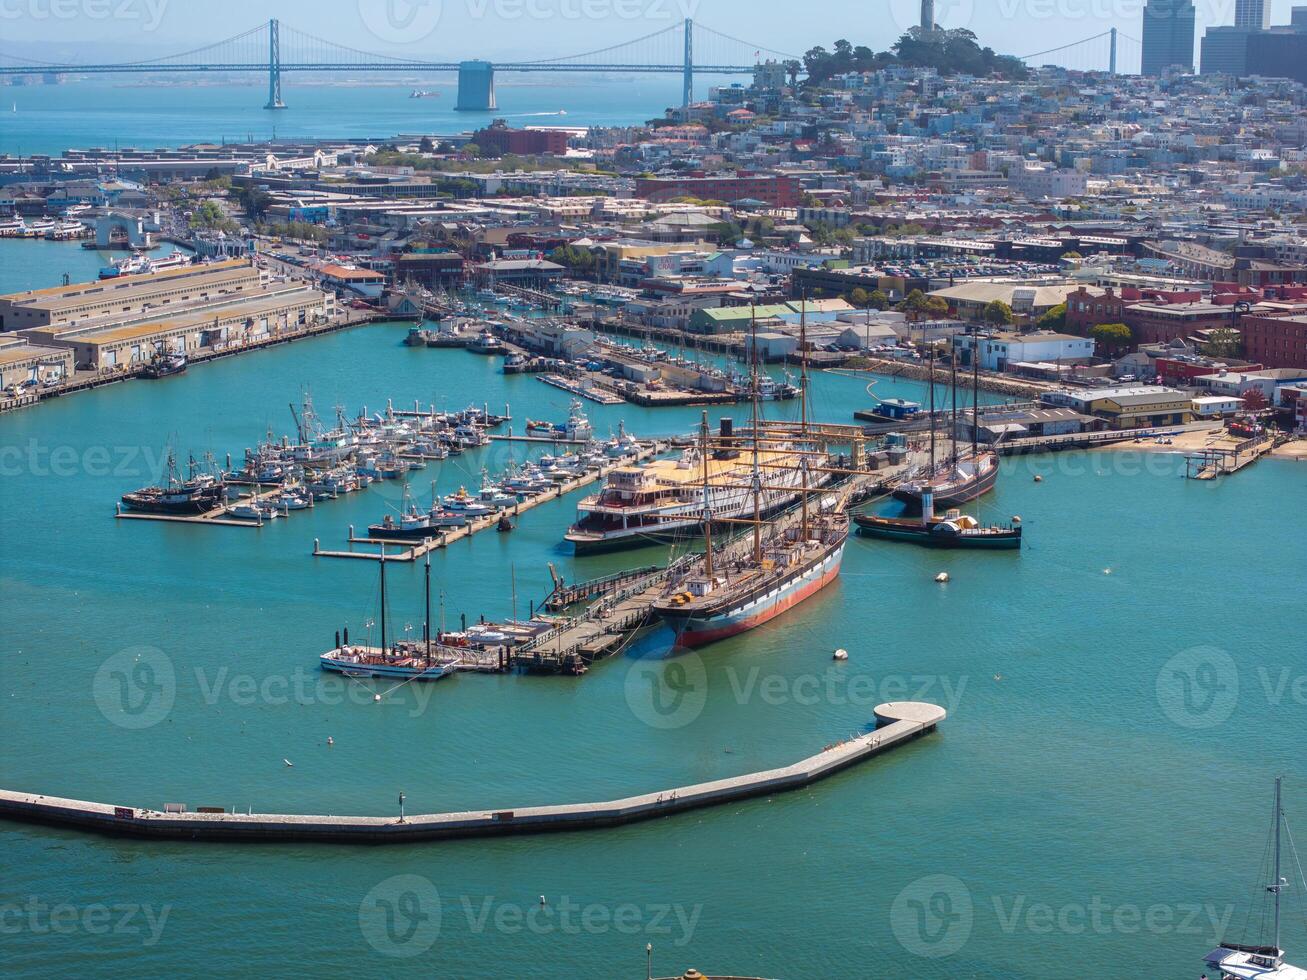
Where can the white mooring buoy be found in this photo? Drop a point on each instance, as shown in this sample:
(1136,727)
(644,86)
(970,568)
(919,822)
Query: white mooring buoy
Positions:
(841,654)
(941,577)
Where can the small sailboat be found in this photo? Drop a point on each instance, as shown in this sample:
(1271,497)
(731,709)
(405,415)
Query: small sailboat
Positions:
(1239,961)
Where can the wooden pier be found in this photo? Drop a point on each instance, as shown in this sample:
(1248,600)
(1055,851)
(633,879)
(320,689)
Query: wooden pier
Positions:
(217,516)
(898,723)
(475,525)
(1214,461)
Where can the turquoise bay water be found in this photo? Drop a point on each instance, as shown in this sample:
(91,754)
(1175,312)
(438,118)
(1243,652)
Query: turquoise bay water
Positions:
(49,118)
(1064,777)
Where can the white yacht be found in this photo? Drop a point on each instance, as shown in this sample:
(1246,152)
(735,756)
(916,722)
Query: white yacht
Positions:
(1239,961)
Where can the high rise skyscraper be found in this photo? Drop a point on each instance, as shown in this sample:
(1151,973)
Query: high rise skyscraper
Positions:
(1252,13)
(1168,35)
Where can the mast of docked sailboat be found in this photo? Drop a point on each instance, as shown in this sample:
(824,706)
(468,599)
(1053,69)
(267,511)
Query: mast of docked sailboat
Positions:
(383,600)
(757,477)
(953,395)
(803,408)
(707,509)
(1277,887)
(975,394)
(426,621)
(930,362)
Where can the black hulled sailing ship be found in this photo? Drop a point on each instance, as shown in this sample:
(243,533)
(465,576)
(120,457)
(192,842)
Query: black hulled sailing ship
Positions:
(963,475)
(199,493)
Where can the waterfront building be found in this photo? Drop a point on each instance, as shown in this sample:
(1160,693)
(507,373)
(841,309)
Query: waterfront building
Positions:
(1127,407)
(25,363)
(125,342)
(1003,351)
(1168,40)
(128,295)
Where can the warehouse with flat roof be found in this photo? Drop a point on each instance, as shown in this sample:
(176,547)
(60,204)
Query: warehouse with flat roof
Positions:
(128,295)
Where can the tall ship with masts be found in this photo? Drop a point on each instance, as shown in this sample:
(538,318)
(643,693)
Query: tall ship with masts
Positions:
(787,562)
(962,474)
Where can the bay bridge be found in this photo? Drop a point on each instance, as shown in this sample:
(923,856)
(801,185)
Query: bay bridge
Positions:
(684,48)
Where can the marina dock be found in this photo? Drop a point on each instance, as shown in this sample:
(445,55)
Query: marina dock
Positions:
(475,525)
(897,724)
(216,516)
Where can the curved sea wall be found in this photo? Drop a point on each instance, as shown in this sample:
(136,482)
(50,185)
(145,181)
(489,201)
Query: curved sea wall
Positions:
(898,722)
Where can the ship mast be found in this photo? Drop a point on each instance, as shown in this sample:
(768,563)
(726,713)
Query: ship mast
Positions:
(383,600)
(930,362)
(426,622)
(975,394)
(707,509)
(803,407)
(757,475)
(953,394)
(1277,887)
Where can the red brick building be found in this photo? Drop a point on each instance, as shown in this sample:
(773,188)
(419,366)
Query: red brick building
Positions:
(497,139)
(1153,316)
(1276,341)
(779,192)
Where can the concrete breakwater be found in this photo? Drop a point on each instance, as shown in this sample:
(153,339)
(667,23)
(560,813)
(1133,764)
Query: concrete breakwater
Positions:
(897,722)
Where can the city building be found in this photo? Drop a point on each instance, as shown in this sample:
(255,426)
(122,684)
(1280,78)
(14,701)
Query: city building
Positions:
(127,295)
(777,192)
(498,139)
(1168,40)
(1252,14)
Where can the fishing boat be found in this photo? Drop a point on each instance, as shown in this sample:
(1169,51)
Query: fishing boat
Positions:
(417,337)
(962,475)
(419,661)
(1240,961)
(253,510)
(953,530)
(199,493)
(464,503)
(487,343)
(163,364)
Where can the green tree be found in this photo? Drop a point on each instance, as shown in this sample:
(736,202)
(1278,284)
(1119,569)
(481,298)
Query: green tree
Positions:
(936,307)
(1224,342)
(1054,318)
(1114,337)
(425,145)
(877,300)
(998,313)
(859,297)
(580,261)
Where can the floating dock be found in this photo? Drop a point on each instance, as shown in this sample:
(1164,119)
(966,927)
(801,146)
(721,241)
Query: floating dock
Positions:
(415,550)
(898,723)
(218,515)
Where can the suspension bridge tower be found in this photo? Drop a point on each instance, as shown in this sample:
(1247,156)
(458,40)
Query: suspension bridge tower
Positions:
(274,66)
(687,72)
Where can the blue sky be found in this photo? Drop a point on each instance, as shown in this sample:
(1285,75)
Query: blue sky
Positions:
(504,29)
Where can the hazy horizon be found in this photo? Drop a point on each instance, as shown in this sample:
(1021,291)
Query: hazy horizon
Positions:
(86,30)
